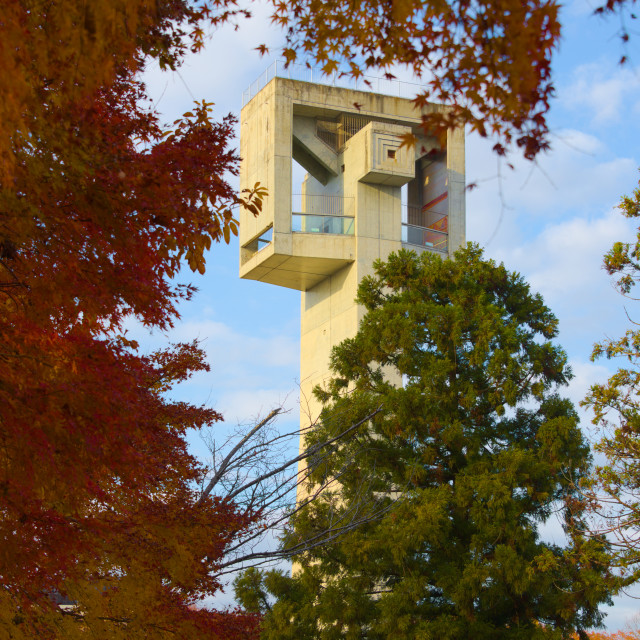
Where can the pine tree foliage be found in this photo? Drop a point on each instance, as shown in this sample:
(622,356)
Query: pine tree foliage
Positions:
(478,450)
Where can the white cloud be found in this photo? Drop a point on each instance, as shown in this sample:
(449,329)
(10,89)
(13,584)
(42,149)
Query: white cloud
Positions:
(586,374)
(222,341)
(622,612)
(249,373)
(220,72)
(247,405)
(583,143)
(579,174)
(567,256)
(553,224)
(603,90)
(564,263)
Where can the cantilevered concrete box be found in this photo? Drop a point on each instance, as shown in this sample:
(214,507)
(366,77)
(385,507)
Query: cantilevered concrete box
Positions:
(351,208)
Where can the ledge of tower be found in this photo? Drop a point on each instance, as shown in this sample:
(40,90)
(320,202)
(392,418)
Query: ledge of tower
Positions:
(307,259)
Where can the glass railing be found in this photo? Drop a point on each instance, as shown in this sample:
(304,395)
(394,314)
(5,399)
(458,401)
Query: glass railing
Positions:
(263,241)
(314,223)
(422,237)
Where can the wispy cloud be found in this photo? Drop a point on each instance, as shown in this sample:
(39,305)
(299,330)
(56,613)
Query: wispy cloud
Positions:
(249,373)
(579,175)
(607,92)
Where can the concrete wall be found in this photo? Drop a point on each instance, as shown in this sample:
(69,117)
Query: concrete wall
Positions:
(278,124)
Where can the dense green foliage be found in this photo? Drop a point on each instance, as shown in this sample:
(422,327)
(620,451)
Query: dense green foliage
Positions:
(469,456)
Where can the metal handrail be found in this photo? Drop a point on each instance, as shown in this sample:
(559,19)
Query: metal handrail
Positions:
(324,205)
(425,237)
(300,72)
(418,217)
(415,226)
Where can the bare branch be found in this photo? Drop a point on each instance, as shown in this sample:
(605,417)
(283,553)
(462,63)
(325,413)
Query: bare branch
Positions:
(225,463)
(254,477)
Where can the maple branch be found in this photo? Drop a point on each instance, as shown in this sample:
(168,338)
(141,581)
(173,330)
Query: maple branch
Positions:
(80,616)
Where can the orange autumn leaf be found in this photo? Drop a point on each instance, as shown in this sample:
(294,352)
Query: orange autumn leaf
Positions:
(100,207)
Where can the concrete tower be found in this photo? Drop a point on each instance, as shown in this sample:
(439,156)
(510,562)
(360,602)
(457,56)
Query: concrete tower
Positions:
(323,237)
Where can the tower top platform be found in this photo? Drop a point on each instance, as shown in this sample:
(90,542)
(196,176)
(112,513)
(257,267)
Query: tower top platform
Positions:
(350,143)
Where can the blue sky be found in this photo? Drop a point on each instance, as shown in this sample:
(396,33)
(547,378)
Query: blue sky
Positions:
(551,221)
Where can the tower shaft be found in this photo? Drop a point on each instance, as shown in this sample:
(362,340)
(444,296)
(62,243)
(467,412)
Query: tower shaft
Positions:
(365,195)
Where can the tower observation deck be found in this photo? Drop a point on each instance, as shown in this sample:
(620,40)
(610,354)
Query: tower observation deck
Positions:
(353,206)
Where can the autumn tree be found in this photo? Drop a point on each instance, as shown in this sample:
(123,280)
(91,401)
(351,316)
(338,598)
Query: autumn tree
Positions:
(615,486)
(488,61)
(617,635)
(477,448)
(100,206)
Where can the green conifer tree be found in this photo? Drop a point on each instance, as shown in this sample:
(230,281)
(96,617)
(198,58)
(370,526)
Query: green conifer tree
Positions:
(459,470)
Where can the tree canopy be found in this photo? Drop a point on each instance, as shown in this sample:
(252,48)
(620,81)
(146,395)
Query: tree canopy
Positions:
(476,449)
(99,207)
(489,62)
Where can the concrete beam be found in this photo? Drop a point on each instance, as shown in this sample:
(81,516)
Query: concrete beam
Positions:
(310,152)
